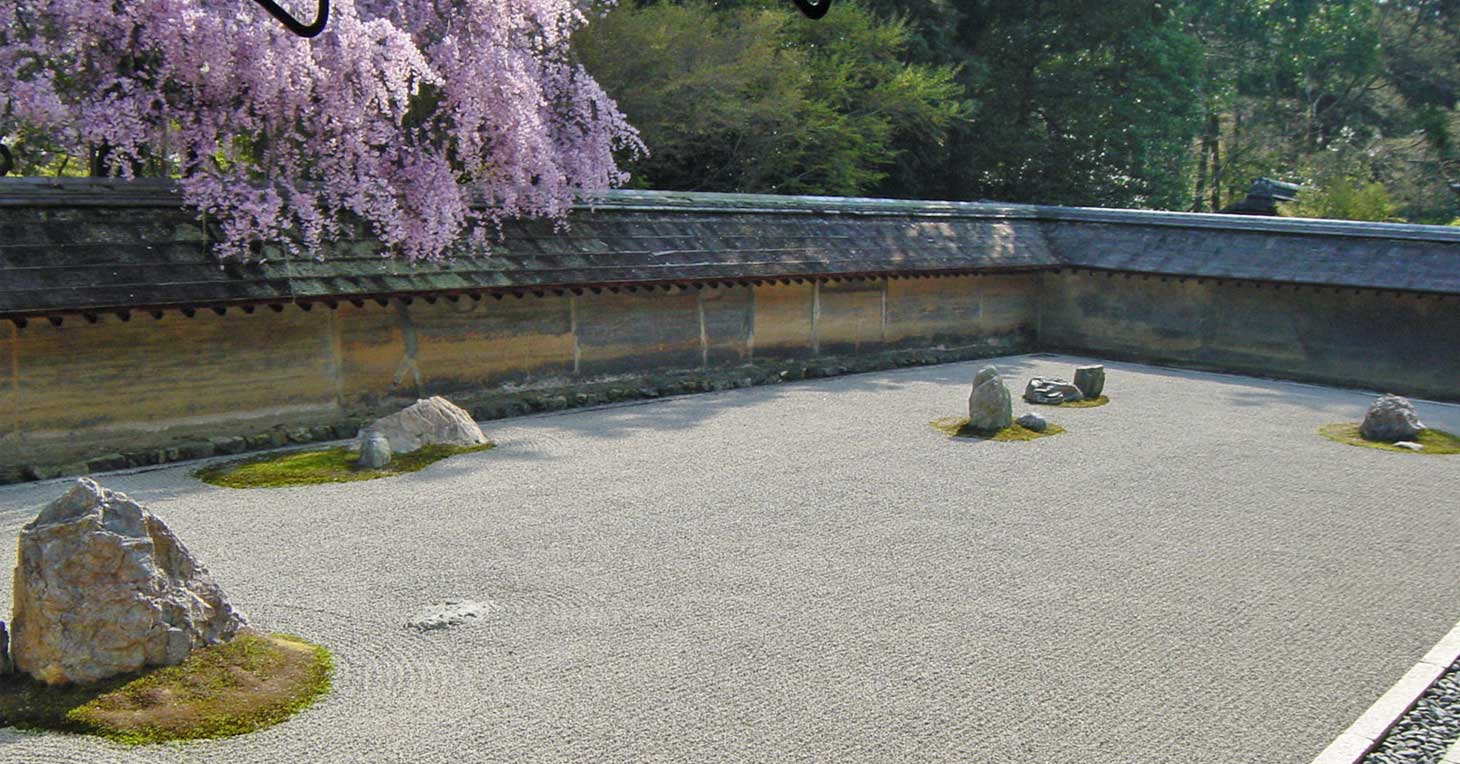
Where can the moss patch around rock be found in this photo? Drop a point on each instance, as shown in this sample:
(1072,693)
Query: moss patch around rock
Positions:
(335,465)
(1435,442)
(958,428)
(252,682)
(1087,403)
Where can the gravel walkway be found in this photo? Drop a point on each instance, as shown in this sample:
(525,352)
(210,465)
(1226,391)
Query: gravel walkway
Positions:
(808,572)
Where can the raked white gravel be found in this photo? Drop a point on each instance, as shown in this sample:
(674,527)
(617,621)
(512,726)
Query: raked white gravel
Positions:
(809,572)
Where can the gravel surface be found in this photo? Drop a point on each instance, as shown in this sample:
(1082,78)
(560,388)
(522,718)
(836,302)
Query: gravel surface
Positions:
(809,572)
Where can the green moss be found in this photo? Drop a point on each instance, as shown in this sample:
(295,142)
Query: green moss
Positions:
(958,428)
(1088,403)
(1434,441)
(335,465)
(252,682)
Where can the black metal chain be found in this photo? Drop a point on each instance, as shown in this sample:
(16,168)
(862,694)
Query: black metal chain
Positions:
(322,18)
(813,10)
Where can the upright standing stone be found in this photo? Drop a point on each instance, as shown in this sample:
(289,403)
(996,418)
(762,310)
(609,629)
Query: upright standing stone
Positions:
(989,407)
(1090,380)
(103,587)
(374,450)
(1390,418)
(428,421)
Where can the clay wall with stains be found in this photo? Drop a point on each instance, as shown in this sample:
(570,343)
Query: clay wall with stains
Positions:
(84,390)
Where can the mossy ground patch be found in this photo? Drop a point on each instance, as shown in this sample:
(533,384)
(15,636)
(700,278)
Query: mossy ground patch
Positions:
(1086,403)
(958,428)
(335,465)
(252,682)
(1435,442)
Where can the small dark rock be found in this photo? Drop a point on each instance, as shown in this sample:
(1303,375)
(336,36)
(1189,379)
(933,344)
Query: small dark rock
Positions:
(229,444)
(106,462)
(42,472)
(1033,422)
(195,450)
(262,440)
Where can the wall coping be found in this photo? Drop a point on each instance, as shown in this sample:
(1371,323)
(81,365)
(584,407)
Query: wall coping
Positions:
(110,192)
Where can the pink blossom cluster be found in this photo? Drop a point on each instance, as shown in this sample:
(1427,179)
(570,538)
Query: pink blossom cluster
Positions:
(431,120)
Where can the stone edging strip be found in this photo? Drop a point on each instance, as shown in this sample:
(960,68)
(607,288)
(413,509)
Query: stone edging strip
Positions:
(1364,735)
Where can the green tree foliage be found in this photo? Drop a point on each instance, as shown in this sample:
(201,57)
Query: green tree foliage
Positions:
(1078,103)
(1178,104)
(755,98)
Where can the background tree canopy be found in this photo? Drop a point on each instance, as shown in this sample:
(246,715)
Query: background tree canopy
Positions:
(1172,105)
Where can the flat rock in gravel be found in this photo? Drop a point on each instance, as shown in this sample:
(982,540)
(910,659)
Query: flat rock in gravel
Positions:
(1390,418)
(103,587)
(1051,391)
(989,406)
(449,614)
(428,421)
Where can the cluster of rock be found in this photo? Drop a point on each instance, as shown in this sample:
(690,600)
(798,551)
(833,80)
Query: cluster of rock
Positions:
(428,421)
(103,587)
(1089,383)
(1391,419)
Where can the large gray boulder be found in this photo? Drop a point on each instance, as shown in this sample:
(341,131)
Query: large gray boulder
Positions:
(1051,391)
(103,587)
(989,406)
(1390,418)
(433,420)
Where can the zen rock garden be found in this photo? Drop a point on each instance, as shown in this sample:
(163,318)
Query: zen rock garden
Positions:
(489,593)
(990,405)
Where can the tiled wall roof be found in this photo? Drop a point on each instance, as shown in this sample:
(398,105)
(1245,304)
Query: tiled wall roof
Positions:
(82,245)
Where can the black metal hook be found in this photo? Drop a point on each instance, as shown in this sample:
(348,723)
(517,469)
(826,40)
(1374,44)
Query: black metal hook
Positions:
(812,10)
(311,30)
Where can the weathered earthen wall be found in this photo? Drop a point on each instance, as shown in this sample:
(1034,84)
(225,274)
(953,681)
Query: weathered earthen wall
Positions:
(115,393)
(1407,343)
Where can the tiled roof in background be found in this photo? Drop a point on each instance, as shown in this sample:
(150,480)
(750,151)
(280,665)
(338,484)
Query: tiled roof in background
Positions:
(80,245)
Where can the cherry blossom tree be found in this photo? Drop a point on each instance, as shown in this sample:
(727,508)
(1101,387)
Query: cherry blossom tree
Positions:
(429,120)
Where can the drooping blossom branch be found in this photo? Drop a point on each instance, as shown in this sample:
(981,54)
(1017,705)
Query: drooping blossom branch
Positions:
(431,120)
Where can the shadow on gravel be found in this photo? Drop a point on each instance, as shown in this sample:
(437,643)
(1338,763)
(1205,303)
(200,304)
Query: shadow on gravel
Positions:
(686,411)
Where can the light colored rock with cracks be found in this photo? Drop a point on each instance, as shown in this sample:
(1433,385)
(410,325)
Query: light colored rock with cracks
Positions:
(428,421)
(103,587)
(1390,418)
